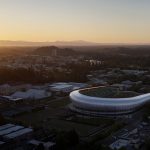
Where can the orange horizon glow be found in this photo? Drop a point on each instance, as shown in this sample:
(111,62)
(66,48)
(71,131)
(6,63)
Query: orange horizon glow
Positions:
(116,21)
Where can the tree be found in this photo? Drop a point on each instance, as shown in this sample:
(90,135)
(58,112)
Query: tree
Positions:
(147,144)
(66,139)
(2,120)
(40,147)
(73,137)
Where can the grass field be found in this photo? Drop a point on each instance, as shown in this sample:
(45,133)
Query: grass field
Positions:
(108,92)
(100,92)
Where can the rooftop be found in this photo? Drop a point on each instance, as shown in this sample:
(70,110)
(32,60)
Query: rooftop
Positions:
(11,129)
(119,144)
(19,133)
(6,126)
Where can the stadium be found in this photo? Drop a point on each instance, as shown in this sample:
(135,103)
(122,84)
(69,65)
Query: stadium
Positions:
(106,101)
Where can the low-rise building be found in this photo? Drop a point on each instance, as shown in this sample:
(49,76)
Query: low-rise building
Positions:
(32,94)
(119,144)
(64,87)
(12,135)
(47,145)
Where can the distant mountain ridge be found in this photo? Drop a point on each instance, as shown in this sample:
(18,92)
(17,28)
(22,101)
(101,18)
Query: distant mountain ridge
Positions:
(53,51)
(57,43)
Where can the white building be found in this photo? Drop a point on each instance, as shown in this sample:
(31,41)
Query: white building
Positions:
(66,87)
(97,103)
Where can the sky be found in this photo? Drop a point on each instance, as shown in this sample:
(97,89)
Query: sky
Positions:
(102,21)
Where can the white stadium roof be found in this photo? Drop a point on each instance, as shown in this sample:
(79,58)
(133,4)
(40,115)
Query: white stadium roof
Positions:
(100,105)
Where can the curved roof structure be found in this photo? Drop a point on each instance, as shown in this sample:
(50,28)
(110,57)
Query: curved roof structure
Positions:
(100,105)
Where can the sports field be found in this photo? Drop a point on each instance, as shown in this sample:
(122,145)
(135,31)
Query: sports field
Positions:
(108,92)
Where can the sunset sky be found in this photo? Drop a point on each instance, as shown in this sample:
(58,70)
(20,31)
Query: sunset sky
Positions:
(104,21)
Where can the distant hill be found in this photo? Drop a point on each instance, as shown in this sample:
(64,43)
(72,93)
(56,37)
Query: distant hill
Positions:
(62,43)
(54,51)
(57,43)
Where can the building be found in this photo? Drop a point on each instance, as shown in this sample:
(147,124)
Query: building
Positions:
(12,135)
(119,144)
(22,133)
(9,99)
(47,145)
(11,131)
(64,87)
(31,94)
(106,101)
(7,89)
